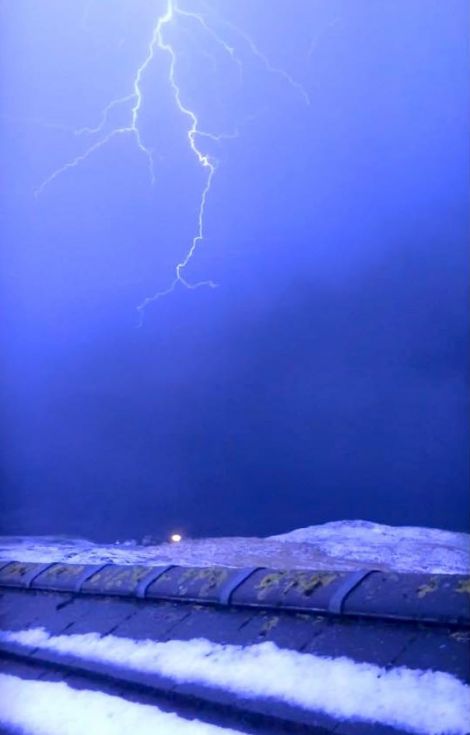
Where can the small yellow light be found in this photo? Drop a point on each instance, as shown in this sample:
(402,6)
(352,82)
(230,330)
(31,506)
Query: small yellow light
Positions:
(176,538)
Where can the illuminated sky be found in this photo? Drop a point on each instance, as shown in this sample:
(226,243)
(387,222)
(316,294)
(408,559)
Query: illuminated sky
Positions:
(325,376)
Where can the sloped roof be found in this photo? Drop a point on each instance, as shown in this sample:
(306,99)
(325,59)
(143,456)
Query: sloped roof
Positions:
(386,620)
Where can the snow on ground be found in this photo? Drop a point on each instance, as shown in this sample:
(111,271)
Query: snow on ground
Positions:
(369,693)
(402,548)
(342,545)
(53,708)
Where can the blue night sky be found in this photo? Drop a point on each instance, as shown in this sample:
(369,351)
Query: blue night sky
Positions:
(326,375)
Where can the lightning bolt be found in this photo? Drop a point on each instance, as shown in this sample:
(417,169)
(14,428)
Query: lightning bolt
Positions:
(202,158)
(132,129)
(194,133)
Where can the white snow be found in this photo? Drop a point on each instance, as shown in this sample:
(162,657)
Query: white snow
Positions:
(398,548)
(427,702)
(54,708)
(341,545)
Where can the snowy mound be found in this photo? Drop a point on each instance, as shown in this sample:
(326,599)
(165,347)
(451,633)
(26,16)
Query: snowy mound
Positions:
(341,545)
(399,548)
(367,531)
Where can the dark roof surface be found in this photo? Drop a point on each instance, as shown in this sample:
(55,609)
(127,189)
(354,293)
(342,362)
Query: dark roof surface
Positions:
(414,620)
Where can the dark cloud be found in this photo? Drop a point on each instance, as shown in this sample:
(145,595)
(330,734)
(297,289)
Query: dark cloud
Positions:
(326,377)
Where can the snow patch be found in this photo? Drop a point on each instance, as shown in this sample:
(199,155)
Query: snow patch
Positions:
(427,702)
(341,545)
(54,708)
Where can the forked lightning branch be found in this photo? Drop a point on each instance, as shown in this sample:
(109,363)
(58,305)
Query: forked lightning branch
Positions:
(159,46)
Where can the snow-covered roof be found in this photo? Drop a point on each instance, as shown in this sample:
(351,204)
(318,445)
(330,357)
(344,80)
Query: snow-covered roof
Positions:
(108,643)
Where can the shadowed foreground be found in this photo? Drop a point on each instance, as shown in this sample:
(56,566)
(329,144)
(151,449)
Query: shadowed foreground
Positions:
(175,637)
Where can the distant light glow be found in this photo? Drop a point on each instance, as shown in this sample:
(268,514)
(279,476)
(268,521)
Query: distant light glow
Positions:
(175,538)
